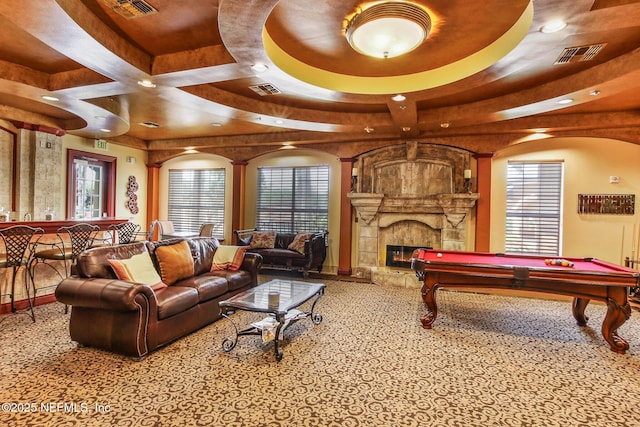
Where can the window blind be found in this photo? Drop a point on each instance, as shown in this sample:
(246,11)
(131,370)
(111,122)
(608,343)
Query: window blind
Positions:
(293,199)
(196,196)
(534,208)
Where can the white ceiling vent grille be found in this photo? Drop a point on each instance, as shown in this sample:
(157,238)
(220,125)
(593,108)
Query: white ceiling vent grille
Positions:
(265,89)
(130,8)
(579,53)
(149,124)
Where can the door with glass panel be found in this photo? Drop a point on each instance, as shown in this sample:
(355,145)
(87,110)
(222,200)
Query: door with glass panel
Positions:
(90,188)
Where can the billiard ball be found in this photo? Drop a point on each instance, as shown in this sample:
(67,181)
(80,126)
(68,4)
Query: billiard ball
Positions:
(439,255)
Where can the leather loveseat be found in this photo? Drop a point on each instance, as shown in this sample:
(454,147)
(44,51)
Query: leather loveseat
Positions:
(134,319)
(286,251)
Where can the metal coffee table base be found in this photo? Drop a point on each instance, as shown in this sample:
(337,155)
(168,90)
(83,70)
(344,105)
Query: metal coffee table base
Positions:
(229,344)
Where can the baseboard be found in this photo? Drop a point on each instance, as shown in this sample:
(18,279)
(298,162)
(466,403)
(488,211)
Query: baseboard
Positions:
(24,304)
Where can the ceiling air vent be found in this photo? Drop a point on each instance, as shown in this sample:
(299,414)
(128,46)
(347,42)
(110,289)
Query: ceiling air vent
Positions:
(149,124)
(265,89)
(130,8)
(579,53)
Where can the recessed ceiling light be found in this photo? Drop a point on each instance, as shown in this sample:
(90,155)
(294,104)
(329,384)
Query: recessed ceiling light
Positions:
(445,125)
(553,26)
(406,129)
(50,98)
(565,101)
(259,68)
(146,83)
(369,129)
(399,98)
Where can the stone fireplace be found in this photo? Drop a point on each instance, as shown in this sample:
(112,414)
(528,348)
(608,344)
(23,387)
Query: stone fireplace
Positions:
(409,196)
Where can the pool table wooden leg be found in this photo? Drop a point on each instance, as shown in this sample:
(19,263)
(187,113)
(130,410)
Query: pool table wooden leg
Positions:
(429,298)
(618,311)
(579,304)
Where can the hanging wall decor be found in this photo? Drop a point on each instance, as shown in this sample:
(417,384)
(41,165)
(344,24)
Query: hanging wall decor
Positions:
(132,202)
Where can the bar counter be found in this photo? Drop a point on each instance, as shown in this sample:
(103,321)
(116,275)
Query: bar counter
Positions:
(54,225)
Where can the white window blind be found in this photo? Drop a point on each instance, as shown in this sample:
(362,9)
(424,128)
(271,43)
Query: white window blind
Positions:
(293,199)
(534,208)
(196,197)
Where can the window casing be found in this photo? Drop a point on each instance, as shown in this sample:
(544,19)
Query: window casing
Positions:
(196,196)
(534,208)
(90,185)
(293,199)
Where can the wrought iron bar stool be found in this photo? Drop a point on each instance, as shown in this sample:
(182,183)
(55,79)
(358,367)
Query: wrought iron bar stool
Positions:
(71,241)
(19,242)
(127,232)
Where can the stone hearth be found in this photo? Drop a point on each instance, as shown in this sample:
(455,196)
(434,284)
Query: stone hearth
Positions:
(406,195)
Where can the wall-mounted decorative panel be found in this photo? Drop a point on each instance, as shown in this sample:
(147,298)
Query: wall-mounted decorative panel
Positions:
(607,204)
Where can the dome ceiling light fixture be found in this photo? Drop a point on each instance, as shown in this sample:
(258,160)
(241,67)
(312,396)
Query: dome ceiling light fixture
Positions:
(388,29)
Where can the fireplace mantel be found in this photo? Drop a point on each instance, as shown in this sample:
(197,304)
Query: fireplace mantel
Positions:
(368,205)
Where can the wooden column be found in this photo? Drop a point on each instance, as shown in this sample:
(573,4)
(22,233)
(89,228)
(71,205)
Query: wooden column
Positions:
(153,195)
(344,256)
(483,213)
(239,197)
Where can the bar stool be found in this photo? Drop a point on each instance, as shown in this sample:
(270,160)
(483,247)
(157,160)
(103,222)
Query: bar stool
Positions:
(79,238)
(127,232)
(18,242)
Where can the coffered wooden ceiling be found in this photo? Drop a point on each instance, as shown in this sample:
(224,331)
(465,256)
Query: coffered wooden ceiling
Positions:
(486,77)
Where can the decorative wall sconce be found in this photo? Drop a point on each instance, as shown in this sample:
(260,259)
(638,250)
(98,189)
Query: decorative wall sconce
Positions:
(354,179)
(467,181)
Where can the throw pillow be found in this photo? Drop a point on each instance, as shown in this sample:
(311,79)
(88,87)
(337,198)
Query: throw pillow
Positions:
(298,242)
(175,261)
(263,240)
(139,269)
(228,257)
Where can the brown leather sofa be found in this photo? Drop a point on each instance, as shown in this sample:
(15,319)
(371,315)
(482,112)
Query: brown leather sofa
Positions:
(133,319)
(279,256)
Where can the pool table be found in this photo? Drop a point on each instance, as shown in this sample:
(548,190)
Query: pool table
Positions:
(584,279)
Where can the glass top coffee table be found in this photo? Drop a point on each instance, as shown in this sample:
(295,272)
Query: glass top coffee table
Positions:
(279,299)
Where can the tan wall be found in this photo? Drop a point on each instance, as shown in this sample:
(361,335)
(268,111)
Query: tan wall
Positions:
(588,164)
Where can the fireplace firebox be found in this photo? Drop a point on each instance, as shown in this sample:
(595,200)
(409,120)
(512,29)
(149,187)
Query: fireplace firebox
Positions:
(400,255)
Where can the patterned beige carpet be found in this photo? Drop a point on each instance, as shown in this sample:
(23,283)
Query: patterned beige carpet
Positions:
(489,361)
